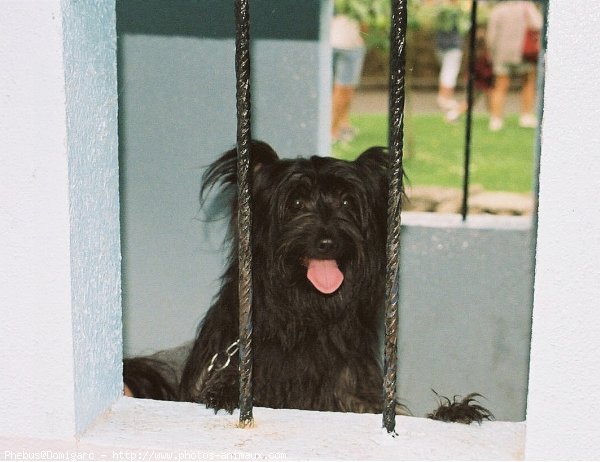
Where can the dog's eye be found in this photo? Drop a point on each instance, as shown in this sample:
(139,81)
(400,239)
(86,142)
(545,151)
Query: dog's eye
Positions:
(297,204)
(346,202)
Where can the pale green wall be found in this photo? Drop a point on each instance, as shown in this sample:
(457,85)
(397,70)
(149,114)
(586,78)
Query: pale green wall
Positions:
(177,114)
(465,310)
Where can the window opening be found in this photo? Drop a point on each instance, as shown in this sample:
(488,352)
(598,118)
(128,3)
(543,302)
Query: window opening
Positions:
(396,128)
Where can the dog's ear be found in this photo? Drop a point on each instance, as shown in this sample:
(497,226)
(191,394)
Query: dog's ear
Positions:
(374,158)
(375,154)
(374,163)
(261,154)
(224,169)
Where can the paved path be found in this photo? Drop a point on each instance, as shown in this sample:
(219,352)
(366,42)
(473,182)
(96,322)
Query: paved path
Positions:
(418,101)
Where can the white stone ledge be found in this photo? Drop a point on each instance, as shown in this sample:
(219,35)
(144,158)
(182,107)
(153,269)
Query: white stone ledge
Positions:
(454,221)
(138,429)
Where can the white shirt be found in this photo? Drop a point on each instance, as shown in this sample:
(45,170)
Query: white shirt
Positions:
(345,33)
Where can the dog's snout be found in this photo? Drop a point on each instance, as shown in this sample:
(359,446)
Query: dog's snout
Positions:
(326,245)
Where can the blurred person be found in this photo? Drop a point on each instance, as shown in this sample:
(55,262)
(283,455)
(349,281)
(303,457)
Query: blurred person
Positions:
(507,26)
(450,26)
(348,58)
(483,78)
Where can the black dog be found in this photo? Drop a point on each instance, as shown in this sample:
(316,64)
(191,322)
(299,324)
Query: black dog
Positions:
(318,249)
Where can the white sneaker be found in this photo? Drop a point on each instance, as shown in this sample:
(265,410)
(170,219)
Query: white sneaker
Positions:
(496,124)
(452,115)
(347,134)
(446,104)
(528,121)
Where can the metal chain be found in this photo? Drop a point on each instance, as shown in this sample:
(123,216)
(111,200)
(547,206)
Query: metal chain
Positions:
(230,351)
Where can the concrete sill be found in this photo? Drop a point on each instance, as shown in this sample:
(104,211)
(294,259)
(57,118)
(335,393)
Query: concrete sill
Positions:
(454,221)
(157,430)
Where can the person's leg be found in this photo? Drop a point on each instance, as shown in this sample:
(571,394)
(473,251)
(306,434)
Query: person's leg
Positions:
(342,99)
(347,70)
(527,118)
(446,93)
(348,94)
(450,67)
(498,100)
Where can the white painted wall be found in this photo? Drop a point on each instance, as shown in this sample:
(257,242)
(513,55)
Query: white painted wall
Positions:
(36,339)
(60,334)
(563,406)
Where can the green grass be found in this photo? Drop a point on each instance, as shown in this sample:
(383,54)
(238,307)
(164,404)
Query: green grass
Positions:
(434,151)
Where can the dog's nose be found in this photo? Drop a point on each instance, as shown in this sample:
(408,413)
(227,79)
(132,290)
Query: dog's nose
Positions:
(325,245)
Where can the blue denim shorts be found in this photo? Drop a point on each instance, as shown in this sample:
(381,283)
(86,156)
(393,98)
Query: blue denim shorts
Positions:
(347,65)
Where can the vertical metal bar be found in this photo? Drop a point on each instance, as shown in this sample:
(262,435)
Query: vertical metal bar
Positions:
(470,97)
(396,133)
(242,70)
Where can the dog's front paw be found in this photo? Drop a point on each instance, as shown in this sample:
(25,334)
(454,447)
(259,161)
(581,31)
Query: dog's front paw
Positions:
(465,411)
(221,396)
(217,400)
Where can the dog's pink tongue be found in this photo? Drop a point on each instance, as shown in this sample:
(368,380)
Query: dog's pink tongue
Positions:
(324,275)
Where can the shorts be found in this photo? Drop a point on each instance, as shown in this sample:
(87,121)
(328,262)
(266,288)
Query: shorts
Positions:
(450,66)
(512,69)
(347,65)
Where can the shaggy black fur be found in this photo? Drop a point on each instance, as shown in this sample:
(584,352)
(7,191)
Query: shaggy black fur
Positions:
(311,350)
(464,411)
(315,341)
(147,378)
